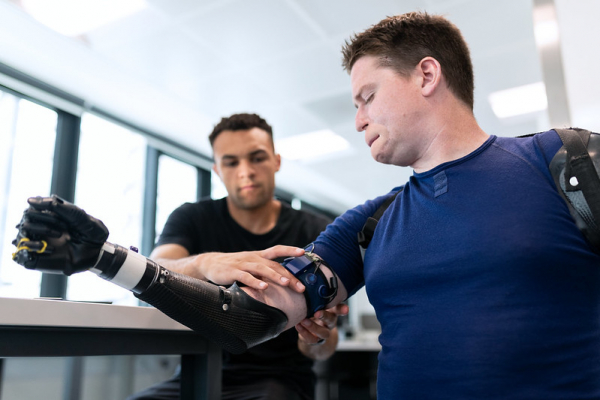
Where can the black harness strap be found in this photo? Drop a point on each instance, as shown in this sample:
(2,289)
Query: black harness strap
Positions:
(576,176)
(579,165)
(368,230)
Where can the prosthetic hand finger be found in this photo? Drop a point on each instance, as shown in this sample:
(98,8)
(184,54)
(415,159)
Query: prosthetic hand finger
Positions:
(57,237)
(27,251)
(52,255)
(34,229)
(83,227)
(37,246)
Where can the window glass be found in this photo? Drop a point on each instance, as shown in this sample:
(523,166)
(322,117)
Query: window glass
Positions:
(110,186)
(177,184)
(217,188)
(27,136)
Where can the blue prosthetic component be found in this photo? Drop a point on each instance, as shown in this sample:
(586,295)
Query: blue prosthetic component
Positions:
(319,291)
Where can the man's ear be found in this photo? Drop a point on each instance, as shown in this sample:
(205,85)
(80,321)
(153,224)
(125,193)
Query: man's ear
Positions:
(430,71)
(278,162)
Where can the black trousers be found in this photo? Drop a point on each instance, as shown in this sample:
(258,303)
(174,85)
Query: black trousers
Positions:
(263,388)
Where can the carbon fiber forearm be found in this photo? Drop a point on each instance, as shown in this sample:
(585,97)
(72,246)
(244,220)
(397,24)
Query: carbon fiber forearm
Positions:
(229,317)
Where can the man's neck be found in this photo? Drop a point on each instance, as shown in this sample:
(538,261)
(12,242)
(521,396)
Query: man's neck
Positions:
(456,135)
(257,220)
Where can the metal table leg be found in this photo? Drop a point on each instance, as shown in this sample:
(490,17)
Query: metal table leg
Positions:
(201,375)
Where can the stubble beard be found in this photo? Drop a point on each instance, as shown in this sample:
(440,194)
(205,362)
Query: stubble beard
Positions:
(252,203)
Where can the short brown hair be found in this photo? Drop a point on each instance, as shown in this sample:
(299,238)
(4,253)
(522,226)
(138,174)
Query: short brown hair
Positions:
(402,41)
(240,122)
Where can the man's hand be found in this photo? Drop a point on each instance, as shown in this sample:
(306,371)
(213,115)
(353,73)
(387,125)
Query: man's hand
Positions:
(252,268)
(56,236)
(318,336)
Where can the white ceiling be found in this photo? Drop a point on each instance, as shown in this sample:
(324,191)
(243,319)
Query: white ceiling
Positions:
(179,65)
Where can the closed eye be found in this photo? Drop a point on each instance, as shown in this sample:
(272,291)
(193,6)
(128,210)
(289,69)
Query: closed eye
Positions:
(258,156)
(258,159)
(229,161)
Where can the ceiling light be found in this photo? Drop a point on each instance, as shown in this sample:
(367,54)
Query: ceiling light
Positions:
(520,100)
(75,17)
(311,145)
(545,25)
(546,33)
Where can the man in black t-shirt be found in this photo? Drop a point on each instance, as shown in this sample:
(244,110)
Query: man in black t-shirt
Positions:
(198,238)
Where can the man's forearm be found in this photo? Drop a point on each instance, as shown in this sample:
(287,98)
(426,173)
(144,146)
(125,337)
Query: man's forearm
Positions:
(186,266)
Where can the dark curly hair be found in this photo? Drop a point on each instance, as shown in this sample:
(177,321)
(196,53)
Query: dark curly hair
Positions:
(240,122)
(401,42)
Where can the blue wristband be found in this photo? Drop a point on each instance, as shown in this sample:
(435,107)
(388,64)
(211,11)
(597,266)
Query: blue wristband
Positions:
(319,291)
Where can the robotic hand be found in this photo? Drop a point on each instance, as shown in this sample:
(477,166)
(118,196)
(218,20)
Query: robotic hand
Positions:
(58,237)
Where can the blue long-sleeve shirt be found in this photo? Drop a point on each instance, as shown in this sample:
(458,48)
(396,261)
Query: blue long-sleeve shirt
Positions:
(482,283)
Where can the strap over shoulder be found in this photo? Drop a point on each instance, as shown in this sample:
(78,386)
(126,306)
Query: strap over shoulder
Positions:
(368,230)
(575,169)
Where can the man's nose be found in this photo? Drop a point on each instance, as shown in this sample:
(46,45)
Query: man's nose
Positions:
(245,169)
(360,120)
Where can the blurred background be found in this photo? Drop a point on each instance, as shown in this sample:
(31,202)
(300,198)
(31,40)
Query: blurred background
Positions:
(109,102)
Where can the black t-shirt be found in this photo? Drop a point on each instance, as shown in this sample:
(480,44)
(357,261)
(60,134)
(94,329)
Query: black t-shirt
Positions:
(207,226)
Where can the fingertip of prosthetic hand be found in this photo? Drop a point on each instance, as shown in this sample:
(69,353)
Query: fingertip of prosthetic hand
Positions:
(56,200)
(44,203)
(34,201)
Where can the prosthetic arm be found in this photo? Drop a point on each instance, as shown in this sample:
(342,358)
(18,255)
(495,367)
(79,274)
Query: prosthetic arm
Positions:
(58,237)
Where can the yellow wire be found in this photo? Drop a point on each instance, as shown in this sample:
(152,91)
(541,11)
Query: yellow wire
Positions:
(20,247)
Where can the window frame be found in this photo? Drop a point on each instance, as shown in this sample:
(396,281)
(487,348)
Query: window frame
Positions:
(69,109)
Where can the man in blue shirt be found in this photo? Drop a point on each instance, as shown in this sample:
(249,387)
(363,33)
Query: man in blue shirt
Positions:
(483,284)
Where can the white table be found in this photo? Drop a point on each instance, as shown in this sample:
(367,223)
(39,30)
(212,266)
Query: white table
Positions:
(56,328)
